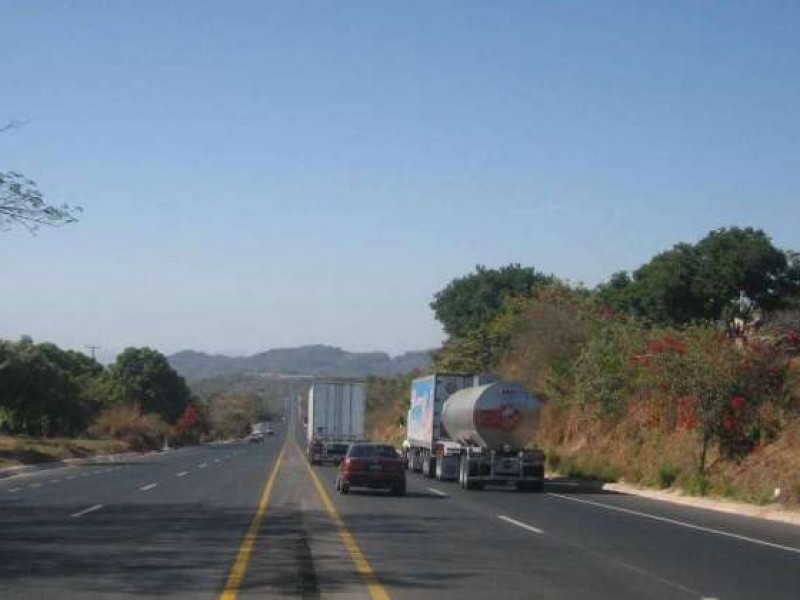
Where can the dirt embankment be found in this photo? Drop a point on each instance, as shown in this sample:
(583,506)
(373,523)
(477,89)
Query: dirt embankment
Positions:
(16,451)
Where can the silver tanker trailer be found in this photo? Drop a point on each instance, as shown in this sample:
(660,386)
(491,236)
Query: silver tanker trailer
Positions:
(491,426)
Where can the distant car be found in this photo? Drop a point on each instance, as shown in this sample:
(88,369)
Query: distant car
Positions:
(255,438)
(375,466)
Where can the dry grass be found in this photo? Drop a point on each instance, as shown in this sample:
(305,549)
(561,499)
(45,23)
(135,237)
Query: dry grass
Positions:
(24,450)
(635,451)
(138,431)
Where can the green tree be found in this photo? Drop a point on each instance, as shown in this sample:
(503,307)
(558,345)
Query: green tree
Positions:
(734,263)
(142,377)
(45,390)
(728,271)
(468,306)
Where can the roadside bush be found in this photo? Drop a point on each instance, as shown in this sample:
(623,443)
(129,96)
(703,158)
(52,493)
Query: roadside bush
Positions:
(141,432)
(698,485)
(667,474)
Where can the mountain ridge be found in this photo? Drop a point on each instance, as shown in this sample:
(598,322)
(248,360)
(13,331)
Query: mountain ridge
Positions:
(314,359)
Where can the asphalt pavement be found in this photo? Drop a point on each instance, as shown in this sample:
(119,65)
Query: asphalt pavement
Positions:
(255,521)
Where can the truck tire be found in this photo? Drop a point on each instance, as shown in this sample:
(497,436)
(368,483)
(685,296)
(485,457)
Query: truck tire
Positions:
(537,486)
(399,489)
(344,488)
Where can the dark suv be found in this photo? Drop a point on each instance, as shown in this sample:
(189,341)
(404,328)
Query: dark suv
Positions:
(373,466)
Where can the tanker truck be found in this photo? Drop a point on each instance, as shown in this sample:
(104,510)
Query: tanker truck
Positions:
(490,426)
(425,440)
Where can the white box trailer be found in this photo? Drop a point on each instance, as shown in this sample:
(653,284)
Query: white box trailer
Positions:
(335,418)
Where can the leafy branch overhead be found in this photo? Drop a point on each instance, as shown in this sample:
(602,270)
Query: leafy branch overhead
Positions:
(21,203)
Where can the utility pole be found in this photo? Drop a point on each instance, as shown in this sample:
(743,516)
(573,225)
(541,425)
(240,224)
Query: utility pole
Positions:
(92,349)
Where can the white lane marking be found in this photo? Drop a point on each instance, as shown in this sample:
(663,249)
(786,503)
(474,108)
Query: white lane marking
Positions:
(735,536)
(216,460)
(149,486)
(182,474)
(437,492)
(86,511)
(35,485)
(14,490)
(71,478)
(519,524)
(203,465)
(56,481)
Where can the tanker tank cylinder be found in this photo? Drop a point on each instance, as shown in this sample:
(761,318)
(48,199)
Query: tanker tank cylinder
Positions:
(499,416)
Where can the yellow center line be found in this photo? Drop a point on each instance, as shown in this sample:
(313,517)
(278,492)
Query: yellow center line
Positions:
(376,590)
(239,568)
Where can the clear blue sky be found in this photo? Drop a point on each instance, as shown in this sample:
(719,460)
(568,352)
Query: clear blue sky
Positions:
(264,174)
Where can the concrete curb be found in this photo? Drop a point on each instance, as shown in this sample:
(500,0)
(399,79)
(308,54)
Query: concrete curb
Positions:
(770,512)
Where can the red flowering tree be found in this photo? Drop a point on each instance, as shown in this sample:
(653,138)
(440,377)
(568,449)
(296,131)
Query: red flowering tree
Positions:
(697,374)
(712,385)
(191,425)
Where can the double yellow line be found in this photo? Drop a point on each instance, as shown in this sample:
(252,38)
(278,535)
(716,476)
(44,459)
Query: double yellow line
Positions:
(234,583)
(376,590)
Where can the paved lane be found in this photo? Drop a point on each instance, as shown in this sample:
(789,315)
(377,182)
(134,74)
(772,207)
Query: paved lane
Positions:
(150,532)
(568,544)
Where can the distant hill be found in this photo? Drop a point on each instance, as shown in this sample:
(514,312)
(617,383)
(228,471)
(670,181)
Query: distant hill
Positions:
(304,360)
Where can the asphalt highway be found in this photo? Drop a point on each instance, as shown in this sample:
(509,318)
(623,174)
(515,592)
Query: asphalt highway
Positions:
(255,521)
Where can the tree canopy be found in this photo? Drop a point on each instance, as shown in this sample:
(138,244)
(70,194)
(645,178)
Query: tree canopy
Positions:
(143,377)
(469,303)
(728,269)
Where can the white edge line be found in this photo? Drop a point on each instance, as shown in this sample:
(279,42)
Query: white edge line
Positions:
(149,486)
(437,492)
(87,510)
(519,524)
(18,489)
(182,474)
(735,536)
